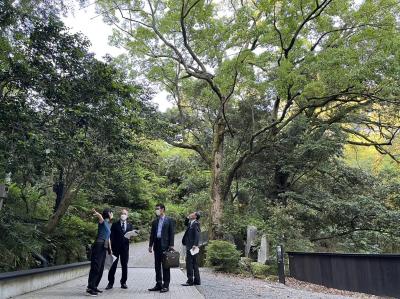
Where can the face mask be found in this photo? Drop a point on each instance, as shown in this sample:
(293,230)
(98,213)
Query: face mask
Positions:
(124,217)
(158,212)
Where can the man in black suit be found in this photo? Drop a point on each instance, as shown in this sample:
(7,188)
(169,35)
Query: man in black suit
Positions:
(161,239)
(191,240)
(120,246)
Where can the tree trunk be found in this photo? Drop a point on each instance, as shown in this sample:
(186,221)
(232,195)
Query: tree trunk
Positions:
(216,191)
(281,180)
(58,189)
(65,202)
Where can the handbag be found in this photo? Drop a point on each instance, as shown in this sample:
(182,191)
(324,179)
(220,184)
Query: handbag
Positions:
(171,259)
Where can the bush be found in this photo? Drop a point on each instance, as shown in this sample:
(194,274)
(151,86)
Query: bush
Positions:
(222,256)
(245,265)
(260,270)
(273,278)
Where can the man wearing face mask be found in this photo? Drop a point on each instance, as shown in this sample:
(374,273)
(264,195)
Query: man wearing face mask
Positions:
(191,240)
(120,249)
(161,239)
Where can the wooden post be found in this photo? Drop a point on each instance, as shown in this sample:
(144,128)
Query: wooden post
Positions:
(281,263)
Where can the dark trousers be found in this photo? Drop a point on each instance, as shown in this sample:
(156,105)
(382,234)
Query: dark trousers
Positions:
(165,275)
(192,268)
(96,265)
(124,256)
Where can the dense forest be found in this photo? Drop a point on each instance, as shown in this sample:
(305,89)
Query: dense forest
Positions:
(286,116)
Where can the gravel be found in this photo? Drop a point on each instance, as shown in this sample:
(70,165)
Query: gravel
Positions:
(227,286)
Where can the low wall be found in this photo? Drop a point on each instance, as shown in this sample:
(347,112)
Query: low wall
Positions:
(21,282)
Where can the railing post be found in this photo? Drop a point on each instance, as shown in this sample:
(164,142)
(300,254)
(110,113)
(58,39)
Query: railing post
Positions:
(281,263)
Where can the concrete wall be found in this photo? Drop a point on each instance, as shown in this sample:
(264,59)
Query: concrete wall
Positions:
(21,282)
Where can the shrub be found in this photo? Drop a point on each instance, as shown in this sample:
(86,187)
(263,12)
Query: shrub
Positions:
(245,265)
(260,270)
(222,256)
(272,278)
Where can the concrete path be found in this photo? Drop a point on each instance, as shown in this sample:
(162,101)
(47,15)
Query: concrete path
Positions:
(139,280)
(141,276)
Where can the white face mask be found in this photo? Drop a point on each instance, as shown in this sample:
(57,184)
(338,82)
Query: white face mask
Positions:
(158,212)
(124,217)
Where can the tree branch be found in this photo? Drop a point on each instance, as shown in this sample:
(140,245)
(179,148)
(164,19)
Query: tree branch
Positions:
(314,14)
(342,234)
(195,147)
(184,33)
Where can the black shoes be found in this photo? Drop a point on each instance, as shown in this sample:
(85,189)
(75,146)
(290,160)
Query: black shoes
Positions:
(164,290)
(160,289)
(98,291)
(187,284)
(91,293)
(109,287)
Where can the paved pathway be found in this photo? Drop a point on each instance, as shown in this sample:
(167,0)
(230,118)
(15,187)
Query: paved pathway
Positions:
(139,280)
(141,276)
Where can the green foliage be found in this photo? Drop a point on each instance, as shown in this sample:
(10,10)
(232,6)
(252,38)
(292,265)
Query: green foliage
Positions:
(260,270)
(71,130)
(281,85)
(73,234)
(222,256)
(18,241)
(290,93)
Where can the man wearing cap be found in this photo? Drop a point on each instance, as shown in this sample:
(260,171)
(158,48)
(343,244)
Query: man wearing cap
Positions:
(191,240)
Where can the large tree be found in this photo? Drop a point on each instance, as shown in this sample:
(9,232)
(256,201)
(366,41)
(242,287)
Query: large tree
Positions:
(240,72)
(64,114)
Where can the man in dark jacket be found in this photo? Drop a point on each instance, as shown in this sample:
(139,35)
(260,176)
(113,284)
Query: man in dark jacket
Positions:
(161,239)
(120,246)
(191,240)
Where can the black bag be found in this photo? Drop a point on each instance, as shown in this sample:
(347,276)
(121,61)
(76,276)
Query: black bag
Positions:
(171,259)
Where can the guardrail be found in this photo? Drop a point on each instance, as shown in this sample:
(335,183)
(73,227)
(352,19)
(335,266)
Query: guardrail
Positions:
(21,282)
(377,274)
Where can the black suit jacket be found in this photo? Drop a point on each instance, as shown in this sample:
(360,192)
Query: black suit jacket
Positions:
(167,233)
(192,235)
(118,242)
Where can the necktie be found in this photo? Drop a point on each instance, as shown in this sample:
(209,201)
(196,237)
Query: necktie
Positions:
(123,226)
